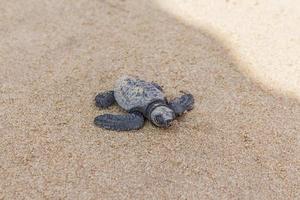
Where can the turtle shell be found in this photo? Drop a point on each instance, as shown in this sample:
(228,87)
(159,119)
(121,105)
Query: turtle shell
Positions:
(135,94)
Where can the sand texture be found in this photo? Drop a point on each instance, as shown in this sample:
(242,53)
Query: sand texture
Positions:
(241,141)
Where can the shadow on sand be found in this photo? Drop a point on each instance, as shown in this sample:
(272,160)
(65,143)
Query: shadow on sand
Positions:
(240,141)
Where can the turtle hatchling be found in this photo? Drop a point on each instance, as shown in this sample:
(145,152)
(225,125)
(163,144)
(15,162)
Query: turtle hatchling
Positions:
(141,99)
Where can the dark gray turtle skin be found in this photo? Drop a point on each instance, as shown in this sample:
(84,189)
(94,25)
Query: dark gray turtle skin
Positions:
(141,100)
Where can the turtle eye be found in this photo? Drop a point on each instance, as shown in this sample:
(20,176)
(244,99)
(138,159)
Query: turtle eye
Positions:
(159,120)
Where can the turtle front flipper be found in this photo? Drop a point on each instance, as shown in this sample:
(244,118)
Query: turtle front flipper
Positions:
(127,122)
(181,104)
(105,99)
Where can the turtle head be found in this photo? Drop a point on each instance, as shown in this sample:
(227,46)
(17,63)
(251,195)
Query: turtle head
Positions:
(162,116)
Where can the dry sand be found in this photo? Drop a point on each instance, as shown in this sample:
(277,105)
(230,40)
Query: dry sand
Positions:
(240,142)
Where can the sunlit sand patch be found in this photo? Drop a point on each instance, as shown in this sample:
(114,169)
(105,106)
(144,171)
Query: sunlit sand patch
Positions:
(264,36)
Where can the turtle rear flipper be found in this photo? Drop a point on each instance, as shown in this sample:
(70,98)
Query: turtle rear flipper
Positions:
(105,99)
(127,122)
(181,104)
(157,86)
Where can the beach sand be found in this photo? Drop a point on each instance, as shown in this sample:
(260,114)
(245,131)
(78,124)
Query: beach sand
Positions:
(241,141)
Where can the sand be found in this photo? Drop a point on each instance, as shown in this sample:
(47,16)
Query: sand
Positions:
(241,141)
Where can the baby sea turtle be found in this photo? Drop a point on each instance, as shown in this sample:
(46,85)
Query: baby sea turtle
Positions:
(141,100)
